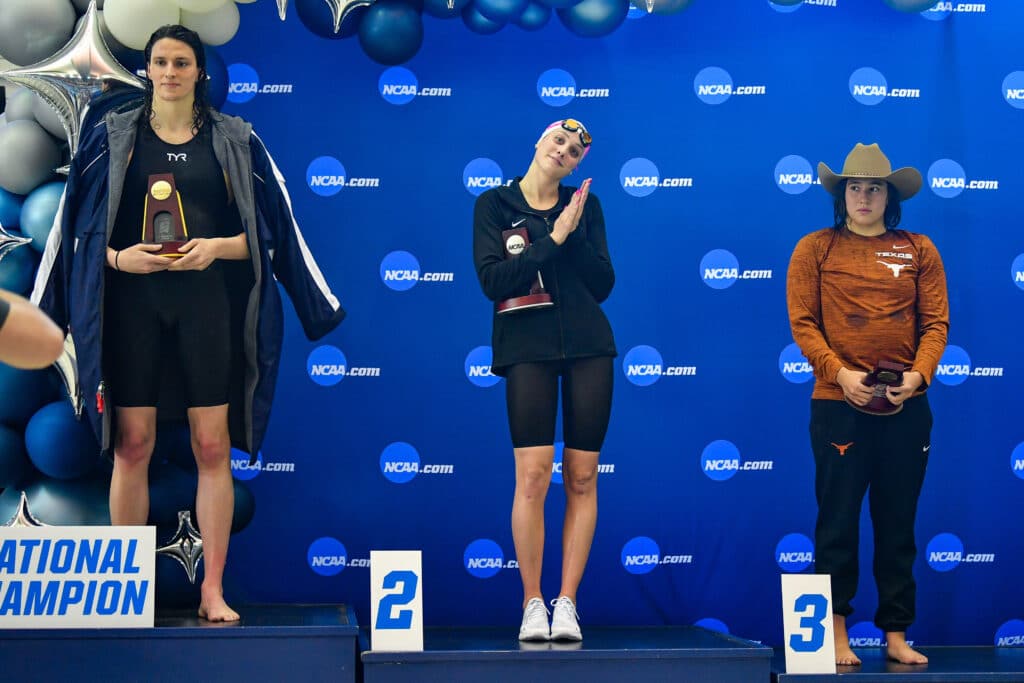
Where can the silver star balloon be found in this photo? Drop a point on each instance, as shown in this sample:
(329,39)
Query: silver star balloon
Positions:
(9,242)
(186,546)
(68,79)
(67,368)
(282,8)
(341,9)
(22,517)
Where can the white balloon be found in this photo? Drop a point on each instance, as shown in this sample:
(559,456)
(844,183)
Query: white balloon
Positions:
(132,22)
(200,5)
(19,105)
(47,117)
(216,27)
(33,29)
(28,156)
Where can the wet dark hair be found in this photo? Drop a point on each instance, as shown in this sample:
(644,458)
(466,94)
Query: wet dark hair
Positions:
(201,105)
(891,218)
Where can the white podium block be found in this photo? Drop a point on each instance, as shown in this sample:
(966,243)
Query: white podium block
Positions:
(807,624)
(396,600)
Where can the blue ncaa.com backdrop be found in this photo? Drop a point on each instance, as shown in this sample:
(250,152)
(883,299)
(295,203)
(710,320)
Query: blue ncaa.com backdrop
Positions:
(706,485)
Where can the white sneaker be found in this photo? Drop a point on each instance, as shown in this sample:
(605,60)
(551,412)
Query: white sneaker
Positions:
(535,621)
(565,621)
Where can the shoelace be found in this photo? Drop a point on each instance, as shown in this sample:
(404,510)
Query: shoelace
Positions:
(535,606)
(566,603)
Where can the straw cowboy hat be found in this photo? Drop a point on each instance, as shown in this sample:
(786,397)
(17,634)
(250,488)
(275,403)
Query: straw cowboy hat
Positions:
(868,162)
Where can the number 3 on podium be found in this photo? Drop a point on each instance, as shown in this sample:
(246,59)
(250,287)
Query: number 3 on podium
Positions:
(807,624)
(396,600)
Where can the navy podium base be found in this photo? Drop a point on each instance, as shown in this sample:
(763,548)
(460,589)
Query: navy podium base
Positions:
(270,643)
(606,655)
(945,665)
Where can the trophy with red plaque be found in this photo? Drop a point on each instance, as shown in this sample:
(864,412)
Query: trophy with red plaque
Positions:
(516,241)
(163,220)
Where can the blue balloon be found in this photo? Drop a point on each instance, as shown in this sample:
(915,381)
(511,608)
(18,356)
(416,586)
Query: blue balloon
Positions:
(245,507)
(23,392)
(60,445)
(440,9)
(172,587)
(911,5)
(39,210)
(391,32)
(14,464)
(534,17)
(174,445)
(560,4)
(10,209)
(217,70)
(170,489)
(317,17)
(501,11)
(594,18)
(478,23)
(82,502)
(17,269)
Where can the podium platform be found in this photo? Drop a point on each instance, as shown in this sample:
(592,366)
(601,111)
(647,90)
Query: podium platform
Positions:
(606,655)
(270,643)
(945,665)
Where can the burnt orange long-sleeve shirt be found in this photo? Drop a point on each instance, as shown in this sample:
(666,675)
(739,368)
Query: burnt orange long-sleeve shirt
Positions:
(855,300)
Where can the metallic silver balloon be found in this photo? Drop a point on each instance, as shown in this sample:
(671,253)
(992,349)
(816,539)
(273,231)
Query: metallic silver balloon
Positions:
(32,29)
(67,368)
(9,242)
(186,546)
(22,517)
(67,80)
(341,9)
(282,8)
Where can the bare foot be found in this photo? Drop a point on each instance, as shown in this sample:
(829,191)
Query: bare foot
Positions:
(898,650)
(213,607)
(844,655)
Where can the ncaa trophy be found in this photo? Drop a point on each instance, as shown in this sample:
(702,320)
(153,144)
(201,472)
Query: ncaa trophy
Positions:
(884,375)
(516,240)
(163,220)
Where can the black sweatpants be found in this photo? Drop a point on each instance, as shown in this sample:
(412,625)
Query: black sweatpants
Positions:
(886,456)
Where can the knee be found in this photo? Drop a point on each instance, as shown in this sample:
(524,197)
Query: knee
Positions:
(134,447)
(580,481)
(533,481)
(211,452)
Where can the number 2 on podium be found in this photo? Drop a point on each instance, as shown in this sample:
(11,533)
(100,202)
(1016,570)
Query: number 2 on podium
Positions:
(403,619)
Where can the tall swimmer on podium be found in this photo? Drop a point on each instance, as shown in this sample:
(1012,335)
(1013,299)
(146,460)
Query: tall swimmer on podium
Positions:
(210,308)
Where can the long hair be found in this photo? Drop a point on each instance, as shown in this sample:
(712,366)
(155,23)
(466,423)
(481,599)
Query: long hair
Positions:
(891,217)
(201,104)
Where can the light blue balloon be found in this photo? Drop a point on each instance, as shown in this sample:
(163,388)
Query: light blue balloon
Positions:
(594,18)
(478,23)
(39,210)
(501,11)
(534,17)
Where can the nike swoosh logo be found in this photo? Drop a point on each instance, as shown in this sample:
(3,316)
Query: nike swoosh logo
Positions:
(925,449)
(900,246)
(518,222)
